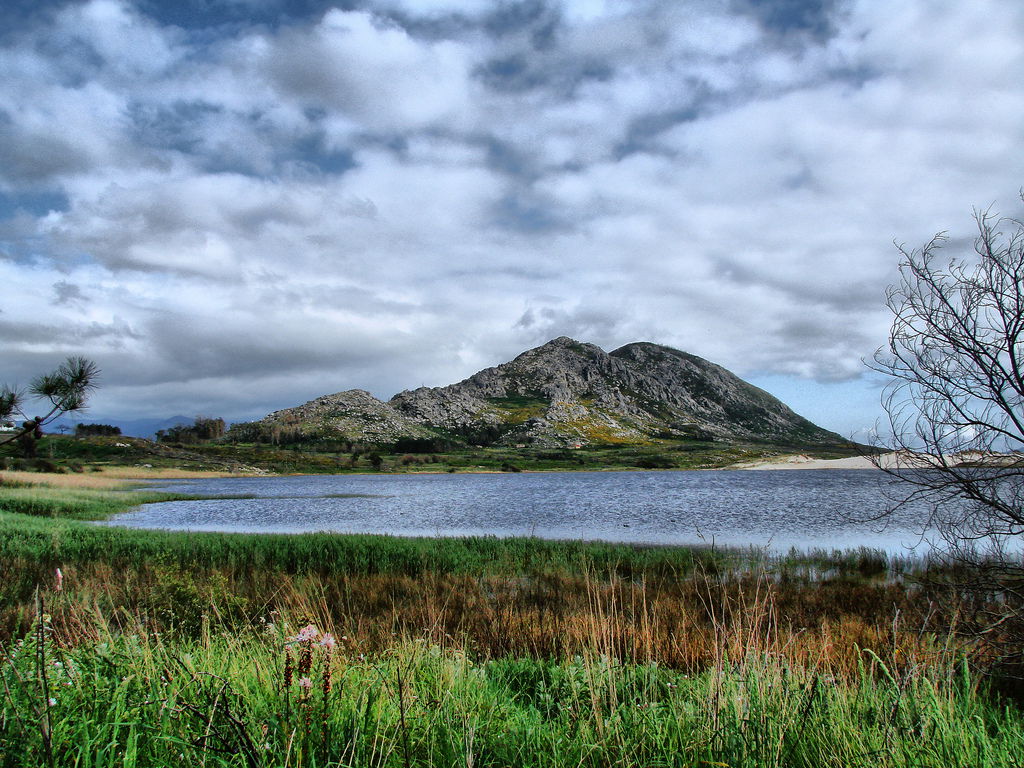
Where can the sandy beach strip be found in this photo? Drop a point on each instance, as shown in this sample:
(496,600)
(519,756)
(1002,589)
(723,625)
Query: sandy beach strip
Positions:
(892,460)
(799,461)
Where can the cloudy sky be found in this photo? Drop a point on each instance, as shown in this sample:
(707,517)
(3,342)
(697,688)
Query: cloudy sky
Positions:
(234,206)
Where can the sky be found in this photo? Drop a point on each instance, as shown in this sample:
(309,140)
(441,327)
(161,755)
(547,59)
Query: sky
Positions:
(235,206)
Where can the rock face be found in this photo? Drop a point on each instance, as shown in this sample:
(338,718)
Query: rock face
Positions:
(567,393)
(354,415)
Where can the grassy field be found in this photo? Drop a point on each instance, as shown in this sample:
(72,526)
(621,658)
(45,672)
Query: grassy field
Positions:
(165,649)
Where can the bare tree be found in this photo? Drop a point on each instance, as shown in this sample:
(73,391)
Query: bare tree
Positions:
(64,390)
(955,405)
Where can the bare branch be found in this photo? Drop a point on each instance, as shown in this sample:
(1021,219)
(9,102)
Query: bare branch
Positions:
(955,405)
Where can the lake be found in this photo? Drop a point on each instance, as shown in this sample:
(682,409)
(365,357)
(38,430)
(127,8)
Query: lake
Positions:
(772,509)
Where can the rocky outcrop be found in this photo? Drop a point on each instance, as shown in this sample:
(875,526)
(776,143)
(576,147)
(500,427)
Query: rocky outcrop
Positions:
(567,393)
(354,415)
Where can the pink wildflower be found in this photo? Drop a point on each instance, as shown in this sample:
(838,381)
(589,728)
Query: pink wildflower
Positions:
(60,580)
(328,641)
(305,683)
(307,633)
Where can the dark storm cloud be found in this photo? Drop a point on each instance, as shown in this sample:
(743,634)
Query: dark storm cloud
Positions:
(240,355)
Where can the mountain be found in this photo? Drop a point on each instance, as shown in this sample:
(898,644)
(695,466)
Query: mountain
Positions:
(354,415)
(568,392)
(563,393)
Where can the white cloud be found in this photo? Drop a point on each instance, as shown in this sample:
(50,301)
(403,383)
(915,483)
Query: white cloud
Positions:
(370,72)
(127,44)
(341,201)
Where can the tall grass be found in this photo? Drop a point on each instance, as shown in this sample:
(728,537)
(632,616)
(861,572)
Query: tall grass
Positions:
(230,699)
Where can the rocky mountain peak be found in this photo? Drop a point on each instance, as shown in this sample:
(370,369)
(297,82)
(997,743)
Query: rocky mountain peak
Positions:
(567,392)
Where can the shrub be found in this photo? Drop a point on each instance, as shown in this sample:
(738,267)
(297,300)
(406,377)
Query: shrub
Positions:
(96,430)
(655,462)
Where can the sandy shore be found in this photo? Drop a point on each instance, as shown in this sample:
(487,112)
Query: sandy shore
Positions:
(902,460)
(800,461)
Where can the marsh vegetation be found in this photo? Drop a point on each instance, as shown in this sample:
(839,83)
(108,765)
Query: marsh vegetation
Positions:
(158,648)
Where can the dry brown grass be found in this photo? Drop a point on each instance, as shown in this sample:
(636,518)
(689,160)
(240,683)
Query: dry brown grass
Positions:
(691,624)
(160,473)
(108,478)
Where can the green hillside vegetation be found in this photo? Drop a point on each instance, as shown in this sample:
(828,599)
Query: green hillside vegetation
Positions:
(316,456)
(517,410)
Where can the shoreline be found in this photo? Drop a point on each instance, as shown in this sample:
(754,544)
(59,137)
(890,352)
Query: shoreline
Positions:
(801,461)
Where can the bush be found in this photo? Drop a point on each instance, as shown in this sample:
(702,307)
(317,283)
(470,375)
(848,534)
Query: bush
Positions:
(655,462)
(421,445)
(96,430)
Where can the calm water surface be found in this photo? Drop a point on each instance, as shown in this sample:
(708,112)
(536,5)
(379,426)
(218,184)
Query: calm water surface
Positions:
(775,509)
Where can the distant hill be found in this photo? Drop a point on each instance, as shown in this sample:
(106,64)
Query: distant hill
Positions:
(562,393)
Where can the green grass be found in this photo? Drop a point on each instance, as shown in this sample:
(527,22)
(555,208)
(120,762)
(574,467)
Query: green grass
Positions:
(76,504)
(50,542)
(137,700)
